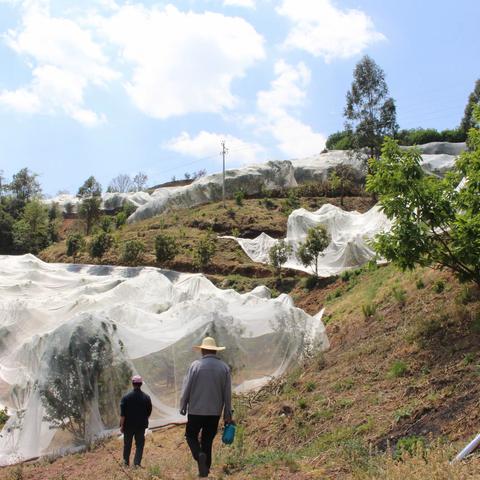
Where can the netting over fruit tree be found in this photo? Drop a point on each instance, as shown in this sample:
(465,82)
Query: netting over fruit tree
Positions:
(71,336)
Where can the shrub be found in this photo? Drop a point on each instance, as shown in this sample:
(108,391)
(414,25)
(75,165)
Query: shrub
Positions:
(269,204)
(310,283)
(398,369)
(310,386)
(312,249)
(3,417)
(132,251)
(106,224)
(302,403)
(409,445)
(204,250)
(165,248)
(75,243)
(100,244)
(439,286)
(239,196)
(292,202)
(278,255)
(120,219)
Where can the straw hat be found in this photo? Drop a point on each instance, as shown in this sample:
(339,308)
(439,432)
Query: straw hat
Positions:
(209,343)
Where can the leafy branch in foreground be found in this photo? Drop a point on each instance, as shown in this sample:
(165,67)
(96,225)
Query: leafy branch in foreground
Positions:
(434,221)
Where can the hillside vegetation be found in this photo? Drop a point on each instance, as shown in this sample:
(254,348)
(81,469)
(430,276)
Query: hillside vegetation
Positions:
(395,396)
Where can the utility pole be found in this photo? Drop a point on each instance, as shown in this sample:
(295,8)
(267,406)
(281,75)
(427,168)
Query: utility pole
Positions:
(224,153)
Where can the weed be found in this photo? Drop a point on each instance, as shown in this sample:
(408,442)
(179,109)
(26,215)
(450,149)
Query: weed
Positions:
(16,473)
(401,414)
(345,276)
(310,386)
(398,369)
(400,295)
(466,295)
(439,286)
(345,403)
(335,294)
(409,445)
(231,213)
(302,403)
(154,471)
(235,232)
(420,284)
(369,310)
(311,282)
(343,385)
(468,358)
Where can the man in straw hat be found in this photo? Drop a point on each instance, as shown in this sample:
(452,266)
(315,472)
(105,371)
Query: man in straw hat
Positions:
(135,409)
(207,390)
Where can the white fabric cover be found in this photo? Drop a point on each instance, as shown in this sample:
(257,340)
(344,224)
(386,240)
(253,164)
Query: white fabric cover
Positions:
(350,234)
(151,317)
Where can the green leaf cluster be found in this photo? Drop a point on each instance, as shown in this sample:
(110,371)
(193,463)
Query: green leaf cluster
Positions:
(312,249)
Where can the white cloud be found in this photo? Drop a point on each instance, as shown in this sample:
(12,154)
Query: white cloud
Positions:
(239,3)
(277,107)
(203,144)
(326,31)
(182,62)
(65,61)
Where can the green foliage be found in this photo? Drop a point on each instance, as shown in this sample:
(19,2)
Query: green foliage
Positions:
(370,114)
(4,416)
(128,208)
(278,255)
(25,186)
(120,219)
(302,403)
(310,283)
(342,178)
(420,284)
(369,310)
(310,386)
(106,223)
(90,188)
(439,286)
(204,251)
(75,243)
(291,202)
(420,136)
(30,232)
(165,248)
(132,251)
(100,244)
(468,120)
(400,295)
(83,371)
(401,414)
(89,211)
(433,221)
(398,369)
(312,249)
(340,141)
(239,196)
(409,445)
(6,231)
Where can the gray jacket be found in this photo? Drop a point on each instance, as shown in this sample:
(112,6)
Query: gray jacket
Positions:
(207,388)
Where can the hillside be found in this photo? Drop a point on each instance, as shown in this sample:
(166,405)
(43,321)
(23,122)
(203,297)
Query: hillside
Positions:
(402,369)
(230,266)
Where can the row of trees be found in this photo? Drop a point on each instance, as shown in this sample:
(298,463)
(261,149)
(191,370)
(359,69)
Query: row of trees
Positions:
(370,115)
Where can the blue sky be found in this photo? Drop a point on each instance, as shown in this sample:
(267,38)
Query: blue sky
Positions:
(103,87)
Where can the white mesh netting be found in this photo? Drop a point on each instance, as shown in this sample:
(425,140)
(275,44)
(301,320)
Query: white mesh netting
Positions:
(350,234)
(71,336)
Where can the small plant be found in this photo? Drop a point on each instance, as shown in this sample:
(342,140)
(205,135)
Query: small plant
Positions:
(231,213)
(302,403)
(120,219)
(154,471)
(344,385)
(398,369)
(345,276)
(466,295)
(165,248)
(239,196)
(310,386)
(369,310)
(420,284)
(106,224)
(409,445)
(401,414)
(310,283)
(269,204)
(3,417)
(75,243)
(204,251)
(100,244)
(439,286)
(313,248)
(235,232)
(278,255)
(400,295)
(132,251)
(468,358)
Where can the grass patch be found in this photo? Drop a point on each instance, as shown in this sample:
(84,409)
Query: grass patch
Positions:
(398,369)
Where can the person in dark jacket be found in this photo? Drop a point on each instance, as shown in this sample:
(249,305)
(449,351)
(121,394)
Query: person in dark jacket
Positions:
(135,408)
(207,391)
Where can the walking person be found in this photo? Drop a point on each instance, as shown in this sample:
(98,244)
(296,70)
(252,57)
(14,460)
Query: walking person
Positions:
(207,391)
(135,409)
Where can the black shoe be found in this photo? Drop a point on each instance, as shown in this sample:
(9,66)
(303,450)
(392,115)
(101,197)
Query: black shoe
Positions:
(202,465)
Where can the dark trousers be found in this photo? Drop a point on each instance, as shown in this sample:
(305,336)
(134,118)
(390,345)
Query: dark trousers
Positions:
(139,434)
(205,427)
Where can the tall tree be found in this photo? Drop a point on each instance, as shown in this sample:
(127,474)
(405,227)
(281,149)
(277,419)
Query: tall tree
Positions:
(25,186)
(140,181)
(89,208)
(90,188)
(473,99)
(121,183)
(370,113)
(30,233)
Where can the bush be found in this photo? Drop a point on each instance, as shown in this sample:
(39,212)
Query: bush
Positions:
(165,248)
(398,369)
(132,251)
(239,196)
(420,284)
(292,202)
(278,255)
(3,417)
(310,283)
(340,141)
(100,244)
(439,286)
(204,251)
(120,219)
(409,445)
(106,224)
(400,295)
(312,249)
(75,243)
